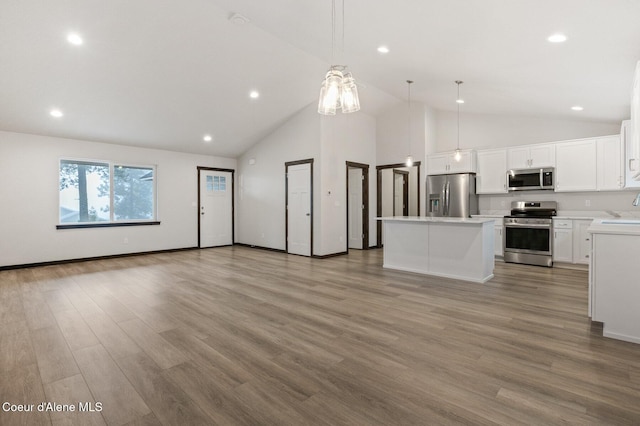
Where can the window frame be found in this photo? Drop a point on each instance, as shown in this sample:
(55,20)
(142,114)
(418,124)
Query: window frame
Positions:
(112,222)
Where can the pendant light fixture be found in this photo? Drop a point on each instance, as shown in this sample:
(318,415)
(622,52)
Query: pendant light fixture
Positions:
(459,100)
(338,90)
(409,161)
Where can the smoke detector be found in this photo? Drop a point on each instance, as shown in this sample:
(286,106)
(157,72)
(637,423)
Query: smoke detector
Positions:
(238,19)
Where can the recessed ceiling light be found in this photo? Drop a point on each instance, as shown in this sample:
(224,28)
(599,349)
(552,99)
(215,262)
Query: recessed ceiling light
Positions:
(56,113)
(254,94)
(74,39)
(460,101)
(383,49)
(577,108)
(557,38)
(207,138)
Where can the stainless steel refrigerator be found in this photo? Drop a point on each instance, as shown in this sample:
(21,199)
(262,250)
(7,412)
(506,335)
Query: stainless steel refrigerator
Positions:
(452,195)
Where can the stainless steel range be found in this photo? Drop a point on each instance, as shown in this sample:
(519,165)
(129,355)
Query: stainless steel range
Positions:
(529,233)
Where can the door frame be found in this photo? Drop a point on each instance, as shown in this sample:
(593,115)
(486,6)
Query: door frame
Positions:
(405,191)
(365,202)
(233,200)
(286,202)
(379,169)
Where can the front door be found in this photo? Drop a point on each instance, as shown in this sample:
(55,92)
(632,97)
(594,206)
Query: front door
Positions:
(215,208)
(299,214)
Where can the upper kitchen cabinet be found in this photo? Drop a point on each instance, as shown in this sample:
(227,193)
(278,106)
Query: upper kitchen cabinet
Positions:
(492,171)
(610,168)
(628,163)
(576,166)
(532,156)
(633,153)
(446,163)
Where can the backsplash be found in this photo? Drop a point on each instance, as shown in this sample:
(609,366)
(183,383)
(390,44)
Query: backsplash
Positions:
(597,204)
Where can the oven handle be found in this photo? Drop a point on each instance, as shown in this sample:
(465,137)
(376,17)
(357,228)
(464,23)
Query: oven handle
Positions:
(529,225)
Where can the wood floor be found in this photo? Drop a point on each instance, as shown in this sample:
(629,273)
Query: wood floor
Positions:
(243,336)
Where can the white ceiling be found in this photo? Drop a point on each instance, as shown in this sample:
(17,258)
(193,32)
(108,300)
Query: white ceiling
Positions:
(162,73)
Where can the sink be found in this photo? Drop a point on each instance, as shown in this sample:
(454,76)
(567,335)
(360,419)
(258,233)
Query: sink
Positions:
(620,222)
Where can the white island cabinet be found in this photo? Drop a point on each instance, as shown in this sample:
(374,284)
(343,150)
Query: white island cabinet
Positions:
(614,283)
(458,248)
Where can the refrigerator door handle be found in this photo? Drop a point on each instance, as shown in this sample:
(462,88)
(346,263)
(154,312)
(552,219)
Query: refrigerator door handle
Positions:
(446,198)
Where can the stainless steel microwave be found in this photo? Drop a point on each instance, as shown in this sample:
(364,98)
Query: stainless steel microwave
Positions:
(530,179)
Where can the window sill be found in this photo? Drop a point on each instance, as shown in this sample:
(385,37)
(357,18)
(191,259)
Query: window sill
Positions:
(105,225)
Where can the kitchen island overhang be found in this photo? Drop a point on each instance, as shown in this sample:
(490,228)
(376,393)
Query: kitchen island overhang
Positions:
(458,248)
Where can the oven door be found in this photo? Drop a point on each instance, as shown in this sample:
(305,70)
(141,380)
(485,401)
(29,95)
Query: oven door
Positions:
(528,238)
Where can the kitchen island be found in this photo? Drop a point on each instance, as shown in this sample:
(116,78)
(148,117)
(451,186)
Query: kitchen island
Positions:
(459,248)
(614,287)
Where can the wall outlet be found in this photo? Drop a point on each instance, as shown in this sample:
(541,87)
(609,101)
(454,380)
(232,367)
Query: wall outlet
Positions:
(587,203)
(502,203)
(126,240)
(262,235)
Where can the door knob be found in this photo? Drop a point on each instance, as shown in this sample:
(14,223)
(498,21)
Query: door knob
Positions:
(308,214)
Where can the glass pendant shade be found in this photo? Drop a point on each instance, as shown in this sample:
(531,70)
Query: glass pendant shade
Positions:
(350,101)
(458,155)
(409,161)
(330,93)
(338,91)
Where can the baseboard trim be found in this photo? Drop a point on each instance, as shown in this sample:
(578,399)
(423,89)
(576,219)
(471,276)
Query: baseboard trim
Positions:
(260,247)
(87,259)
(325,256)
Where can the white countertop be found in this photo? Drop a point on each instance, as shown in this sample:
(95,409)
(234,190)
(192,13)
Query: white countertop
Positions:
(460,220)
(615,226)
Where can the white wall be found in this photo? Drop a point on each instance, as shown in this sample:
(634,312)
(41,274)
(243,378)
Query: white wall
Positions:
(29,166)
(331,142)
(344,137)
(261,190)
(479,131)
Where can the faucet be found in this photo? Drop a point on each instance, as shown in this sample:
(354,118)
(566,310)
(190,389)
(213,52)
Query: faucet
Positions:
(636,202)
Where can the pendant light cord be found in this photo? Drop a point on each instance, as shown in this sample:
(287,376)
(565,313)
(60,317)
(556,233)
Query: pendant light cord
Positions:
(409,82)
(458,144)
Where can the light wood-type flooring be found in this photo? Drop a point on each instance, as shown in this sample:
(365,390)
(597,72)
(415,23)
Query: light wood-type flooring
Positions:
(243,336)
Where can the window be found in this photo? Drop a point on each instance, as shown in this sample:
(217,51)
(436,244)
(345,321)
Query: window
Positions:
(216,183)
(94,192)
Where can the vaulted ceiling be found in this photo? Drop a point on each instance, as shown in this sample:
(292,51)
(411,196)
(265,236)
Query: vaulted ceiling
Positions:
(164,73)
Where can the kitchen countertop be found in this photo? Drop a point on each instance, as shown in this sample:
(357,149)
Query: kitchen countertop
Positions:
(615,226)
(460,220)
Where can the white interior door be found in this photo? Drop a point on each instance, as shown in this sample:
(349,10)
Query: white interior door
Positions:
(355,208)
(398,194)
(216,206)
(299,209)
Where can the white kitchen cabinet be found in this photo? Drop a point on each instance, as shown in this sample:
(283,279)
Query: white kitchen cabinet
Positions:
(563,240)
(446,163)
(492,171)
(581,241)
(628,163)
(576,166)
(609,167)
(633,153)
(532,156)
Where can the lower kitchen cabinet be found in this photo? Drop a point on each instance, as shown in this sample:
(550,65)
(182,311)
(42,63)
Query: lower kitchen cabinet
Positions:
(563,240)
(571,241)
(581,241)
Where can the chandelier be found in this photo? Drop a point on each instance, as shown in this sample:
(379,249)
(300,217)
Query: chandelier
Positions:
(338,90)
